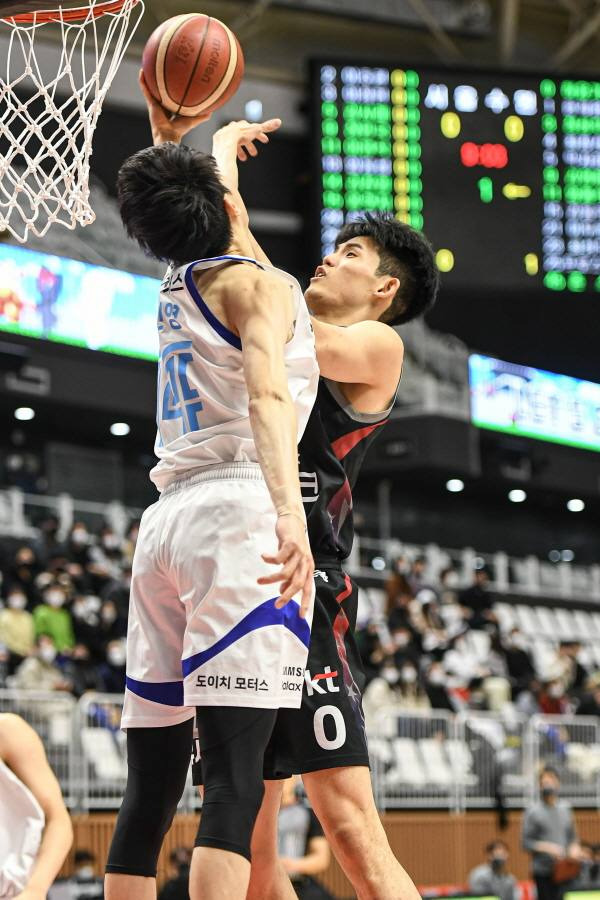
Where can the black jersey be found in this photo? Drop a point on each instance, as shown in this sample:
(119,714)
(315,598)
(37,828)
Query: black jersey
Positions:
(332,451)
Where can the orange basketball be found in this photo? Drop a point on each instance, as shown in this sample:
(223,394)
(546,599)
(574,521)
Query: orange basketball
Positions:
(192,64)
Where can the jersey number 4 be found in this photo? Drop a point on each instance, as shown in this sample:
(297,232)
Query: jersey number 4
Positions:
(179,399)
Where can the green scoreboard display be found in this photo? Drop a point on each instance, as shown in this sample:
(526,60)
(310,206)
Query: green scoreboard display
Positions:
(502,171)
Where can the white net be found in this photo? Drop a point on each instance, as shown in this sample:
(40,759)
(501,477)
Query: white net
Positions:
(49,107)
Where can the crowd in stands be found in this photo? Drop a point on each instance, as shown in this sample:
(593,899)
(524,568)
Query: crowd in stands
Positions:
(63,618)
(436,645)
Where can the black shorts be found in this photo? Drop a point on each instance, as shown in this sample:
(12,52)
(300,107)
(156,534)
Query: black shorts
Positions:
(328,731)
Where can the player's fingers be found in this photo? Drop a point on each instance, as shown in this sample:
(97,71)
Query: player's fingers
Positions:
(275,558)
(307,593)
(263,138)
(270,125)
(275,578)
(295,584)
(250,149)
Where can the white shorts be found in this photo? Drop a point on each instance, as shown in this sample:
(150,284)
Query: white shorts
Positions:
(201,631)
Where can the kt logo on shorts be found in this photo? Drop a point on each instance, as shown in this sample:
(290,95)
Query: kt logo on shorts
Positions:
(321,683)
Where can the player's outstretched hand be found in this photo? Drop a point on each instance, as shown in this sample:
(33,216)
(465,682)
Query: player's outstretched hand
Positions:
(167,127)
(297,567)
(245,134)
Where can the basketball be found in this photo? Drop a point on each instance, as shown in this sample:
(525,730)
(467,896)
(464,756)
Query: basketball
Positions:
(192,64)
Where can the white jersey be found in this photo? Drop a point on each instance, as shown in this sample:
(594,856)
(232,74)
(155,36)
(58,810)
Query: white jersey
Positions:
(21,826)
(202,402)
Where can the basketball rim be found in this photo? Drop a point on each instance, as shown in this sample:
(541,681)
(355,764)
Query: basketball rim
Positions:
(39,11)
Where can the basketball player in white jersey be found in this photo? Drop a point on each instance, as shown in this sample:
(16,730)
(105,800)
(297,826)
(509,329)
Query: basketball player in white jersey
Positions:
(379,269)
(35,828)
(211,630)
(380,273)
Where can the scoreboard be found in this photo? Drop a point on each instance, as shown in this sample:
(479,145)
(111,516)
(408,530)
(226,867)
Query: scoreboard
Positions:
(501,171)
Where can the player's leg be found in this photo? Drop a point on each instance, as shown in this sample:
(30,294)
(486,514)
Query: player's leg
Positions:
(343,800)
(151,797)
(159,728)
(233,741)
(268,879)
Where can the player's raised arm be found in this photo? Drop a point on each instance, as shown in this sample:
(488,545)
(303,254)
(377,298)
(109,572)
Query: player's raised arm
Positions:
(22,751)
(372,349)
(236,142)
(258,306)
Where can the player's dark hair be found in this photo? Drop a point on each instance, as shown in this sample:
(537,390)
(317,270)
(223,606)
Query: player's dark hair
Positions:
(171,202)
(405,254)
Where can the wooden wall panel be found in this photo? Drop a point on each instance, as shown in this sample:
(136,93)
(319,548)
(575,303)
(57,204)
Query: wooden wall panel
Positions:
(434,847)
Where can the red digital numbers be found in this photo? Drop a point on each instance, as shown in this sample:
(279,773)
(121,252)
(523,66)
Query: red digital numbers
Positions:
(490,156)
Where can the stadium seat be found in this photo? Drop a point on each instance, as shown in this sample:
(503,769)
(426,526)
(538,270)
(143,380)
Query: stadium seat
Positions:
(436,765)
(461,760)
(408,766)
(101,753)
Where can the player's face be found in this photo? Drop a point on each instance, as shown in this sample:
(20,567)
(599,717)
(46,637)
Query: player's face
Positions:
(346,279)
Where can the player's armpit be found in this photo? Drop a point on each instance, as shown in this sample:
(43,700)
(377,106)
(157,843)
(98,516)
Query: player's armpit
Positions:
(368,353)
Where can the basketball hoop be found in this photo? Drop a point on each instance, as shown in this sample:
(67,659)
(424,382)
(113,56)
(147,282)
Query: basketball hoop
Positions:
(50,101)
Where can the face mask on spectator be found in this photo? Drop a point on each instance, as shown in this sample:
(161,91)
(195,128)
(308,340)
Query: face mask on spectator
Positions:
(85,872)
(548,792)
(436,676)
(401,639)
(93,603)
(391,675)
(48,653)
(555,691)
(498,863)
(111,541)
(79,536)
(116,656)
(409,675)
(17,601)
(55,599)
(452,580)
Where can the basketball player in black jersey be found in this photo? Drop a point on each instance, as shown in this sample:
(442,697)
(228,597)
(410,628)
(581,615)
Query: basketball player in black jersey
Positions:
(381,274)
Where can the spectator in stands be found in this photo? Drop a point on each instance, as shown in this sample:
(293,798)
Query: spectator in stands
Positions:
(112,624)
(85,612)
(81,671)
(519,662)
(435,688)
(176,888)
(589,876)
(552,699)
(17,629)
(303,849)
(130,542)
(572,674)
(449,584)
(41,671)
(477,602)
(84,883)
(399,597)
(77,549)
(549,835)
(51,618)
(416,576)
(47,543)
(112,670)
(372,649)
(118,590)
(590,702)
(22,573)
(394,686)
(105,559)
(492,877)
(406,645)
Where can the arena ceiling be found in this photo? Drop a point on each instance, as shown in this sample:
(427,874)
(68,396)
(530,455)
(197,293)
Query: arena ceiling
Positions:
(278,36)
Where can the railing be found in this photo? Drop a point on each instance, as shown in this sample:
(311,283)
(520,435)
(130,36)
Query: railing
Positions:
(430,759)
(370,558)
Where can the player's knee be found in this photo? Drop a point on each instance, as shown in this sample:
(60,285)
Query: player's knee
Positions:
(349,831)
